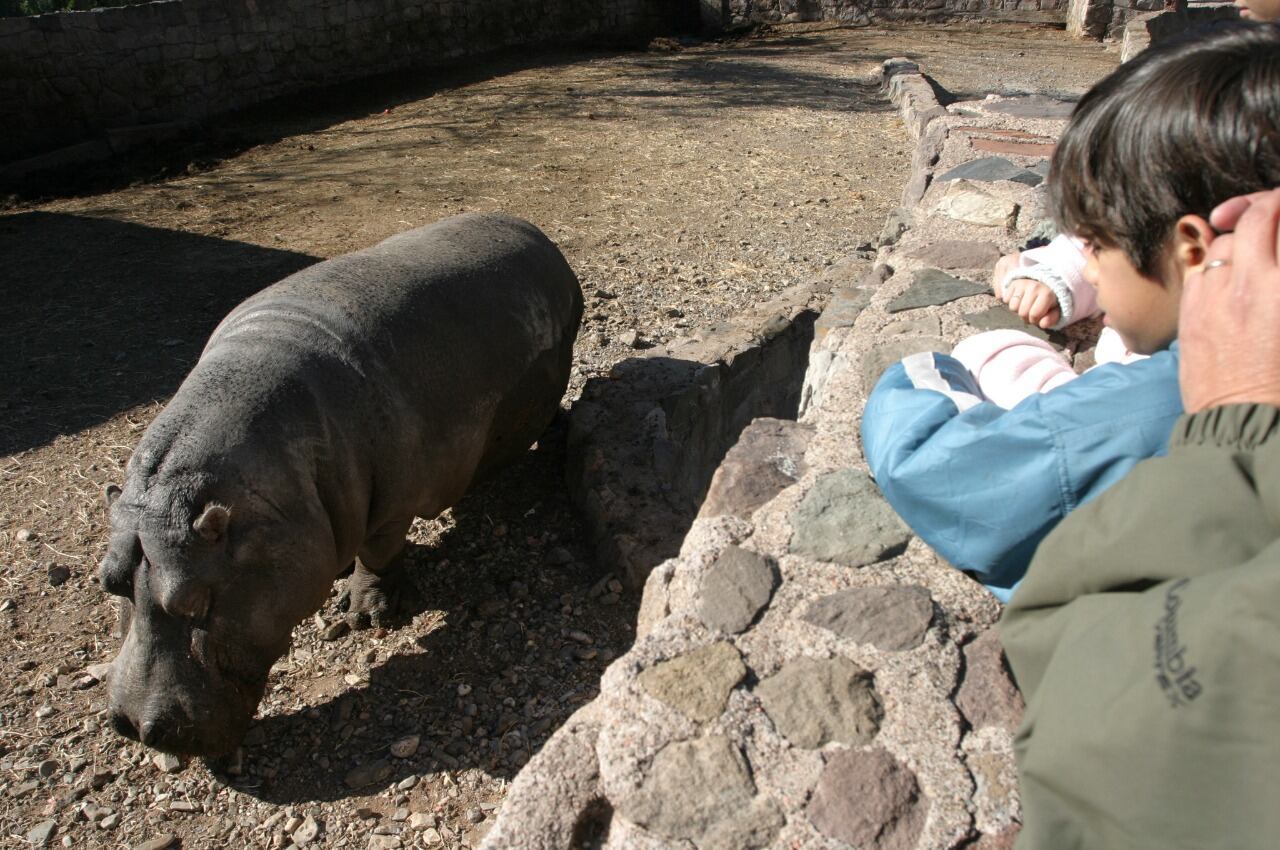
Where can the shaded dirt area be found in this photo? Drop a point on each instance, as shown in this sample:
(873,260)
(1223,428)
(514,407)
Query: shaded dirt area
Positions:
(683,183)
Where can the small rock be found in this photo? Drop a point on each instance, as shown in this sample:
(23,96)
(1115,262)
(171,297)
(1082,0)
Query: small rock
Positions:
(48,768)
(557,556)
(335,630)
(368,774)
(26,535)
(400,815)
(843,519)
(384,842)
(41,833)
(167,762)
(306,832)
(22,789)
(160,842)
(110,821)
(697,683)
(7,605)
(430,836)
(406,746)
(932,288)
(421,820)
(735,589)
(890,812)
(407,783)
(58,575)
(814,701)
(187,806)
(631,339)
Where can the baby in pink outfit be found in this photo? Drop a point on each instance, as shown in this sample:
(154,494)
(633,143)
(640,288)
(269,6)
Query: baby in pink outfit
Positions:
(1046,287)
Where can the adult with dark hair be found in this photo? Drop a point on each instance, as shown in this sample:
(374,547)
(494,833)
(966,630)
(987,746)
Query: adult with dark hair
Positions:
(1145,636)
(1148,153)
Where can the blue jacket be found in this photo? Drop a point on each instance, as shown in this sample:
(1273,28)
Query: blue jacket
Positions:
(983,485)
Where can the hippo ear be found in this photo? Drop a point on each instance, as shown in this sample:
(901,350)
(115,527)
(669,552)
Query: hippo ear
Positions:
(110,493)
(212,524)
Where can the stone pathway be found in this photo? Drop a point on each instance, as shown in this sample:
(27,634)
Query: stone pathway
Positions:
(807,673)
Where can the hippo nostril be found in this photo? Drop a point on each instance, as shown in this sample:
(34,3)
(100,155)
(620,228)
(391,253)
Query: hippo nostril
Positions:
(123,725)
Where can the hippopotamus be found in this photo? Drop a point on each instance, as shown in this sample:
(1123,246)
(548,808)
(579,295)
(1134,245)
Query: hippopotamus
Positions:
(324,414)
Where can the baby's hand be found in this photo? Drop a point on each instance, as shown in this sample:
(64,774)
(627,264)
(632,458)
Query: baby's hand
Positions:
(1033,301)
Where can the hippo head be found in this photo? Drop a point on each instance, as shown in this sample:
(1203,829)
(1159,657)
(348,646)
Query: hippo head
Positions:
(211,590)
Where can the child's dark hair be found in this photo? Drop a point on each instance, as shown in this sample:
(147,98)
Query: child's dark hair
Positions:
(1176,131)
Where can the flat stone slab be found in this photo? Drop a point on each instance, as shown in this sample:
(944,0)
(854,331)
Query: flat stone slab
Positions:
(958,254)
(844,519)
(966,201)
(932,287)
(735,589)
(880,358)
(768,457)
(1001,317)
(750,830)
(869,800)
(1035,149)
(987,695)
(697,683)
(889,617)
(989,169)
(1031,106)
(919,326)
(691,787)
(814,701)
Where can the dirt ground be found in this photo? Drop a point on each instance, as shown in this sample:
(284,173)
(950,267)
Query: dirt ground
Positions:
(682,183)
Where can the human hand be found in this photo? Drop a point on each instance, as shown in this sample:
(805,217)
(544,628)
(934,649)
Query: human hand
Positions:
(1033,301)
(1229,320)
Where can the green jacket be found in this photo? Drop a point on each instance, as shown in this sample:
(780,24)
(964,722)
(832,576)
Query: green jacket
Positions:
(1146,640)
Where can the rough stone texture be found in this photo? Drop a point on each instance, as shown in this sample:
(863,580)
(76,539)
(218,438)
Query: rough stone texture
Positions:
(987,695)
(886,354)
(869,800)
(958,254)
(691,788)
(1032,106)
(815,701)
(1000,317)
(863,12)
(931,288)
(698,683)
(992,168)
(964,201)
(768,457)
(747,830)
(889,617)
(644,443)
(1034,149)
(187,61)
(843,519)
(1142,31)
(960,791)
(735,589)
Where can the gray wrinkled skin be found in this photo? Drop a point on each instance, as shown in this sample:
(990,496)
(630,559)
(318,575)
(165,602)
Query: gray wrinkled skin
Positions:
(325,413)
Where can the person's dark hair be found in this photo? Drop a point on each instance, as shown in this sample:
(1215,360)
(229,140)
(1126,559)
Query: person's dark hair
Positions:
(1177,130)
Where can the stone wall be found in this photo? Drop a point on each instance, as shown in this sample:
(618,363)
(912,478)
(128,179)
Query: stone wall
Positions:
(862,12)
(72,76)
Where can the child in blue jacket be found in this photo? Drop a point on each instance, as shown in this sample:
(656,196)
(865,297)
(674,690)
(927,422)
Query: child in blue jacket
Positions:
(983,485)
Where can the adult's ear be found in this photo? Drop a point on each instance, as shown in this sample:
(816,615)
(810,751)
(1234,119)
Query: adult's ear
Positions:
(212,523)
(110,493)
(1192,236)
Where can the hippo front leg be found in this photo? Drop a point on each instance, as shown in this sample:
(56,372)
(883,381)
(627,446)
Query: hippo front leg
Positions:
(378,586)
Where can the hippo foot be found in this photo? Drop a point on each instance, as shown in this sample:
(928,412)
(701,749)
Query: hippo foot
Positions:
(380,600)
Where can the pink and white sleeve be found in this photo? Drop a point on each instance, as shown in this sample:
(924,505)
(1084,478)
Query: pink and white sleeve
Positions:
(1010,365)
(1060,266)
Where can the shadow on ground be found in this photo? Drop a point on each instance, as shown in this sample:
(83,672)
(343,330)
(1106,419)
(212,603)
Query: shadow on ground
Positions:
(100,316)
(490,672)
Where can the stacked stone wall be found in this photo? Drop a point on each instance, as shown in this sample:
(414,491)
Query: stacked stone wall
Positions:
(72,76)
(862,12)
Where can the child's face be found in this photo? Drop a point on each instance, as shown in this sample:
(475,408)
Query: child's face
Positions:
(1143,310)
(1259,10)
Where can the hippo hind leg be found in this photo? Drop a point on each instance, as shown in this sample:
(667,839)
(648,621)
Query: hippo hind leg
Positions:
(379,592)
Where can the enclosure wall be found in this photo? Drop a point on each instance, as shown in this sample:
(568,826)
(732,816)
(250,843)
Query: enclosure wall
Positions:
(73,76)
